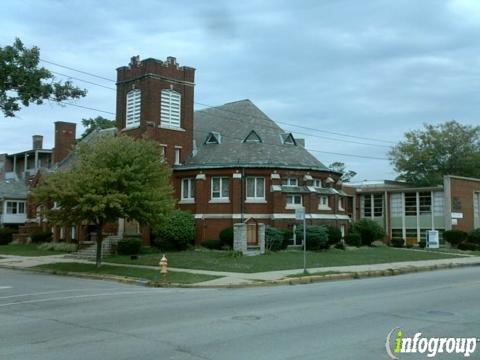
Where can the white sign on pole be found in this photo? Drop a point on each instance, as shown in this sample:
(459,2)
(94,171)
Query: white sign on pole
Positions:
(300,213)
(457,215)
(433,240)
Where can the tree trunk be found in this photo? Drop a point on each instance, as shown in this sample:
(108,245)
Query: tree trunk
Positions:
(99,245)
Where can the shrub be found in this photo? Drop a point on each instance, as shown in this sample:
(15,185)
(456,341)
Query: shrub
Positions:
(474,236)
(226,237)
(334,235)
(58,246)
(41,237)
(287,236)
(353,239)
(212,244)
(398,243)
(468,246)
(274,238)
(422,244)
(6,235)
(129,246)
(455,237)
(176,233)
(369,231)
(317,237)
(340,246)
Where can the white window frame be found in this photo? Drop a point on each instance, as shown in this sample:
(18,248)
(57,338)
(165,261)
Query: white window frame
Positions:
(178,152)
(133,109)
(340,204)
(14,208)
(170,109)
(223,181)
(317,183)
(256,189)
(323,205)
(188,190)
(293,204)
(289,182)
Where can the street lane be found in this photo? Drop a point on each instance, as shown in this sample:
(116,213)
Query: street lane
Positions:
(49,317)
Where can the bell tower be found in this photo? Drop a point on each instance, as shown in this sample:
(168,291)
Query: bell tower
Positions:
(155,100)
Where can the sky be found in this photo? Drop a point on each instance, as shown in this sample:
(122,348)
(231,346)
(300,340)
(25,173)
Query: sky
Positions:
(370,69)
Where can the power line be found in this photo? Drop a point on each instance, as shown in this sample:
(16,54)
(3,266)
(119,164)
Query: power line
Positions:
(305,127)
(79,71)
(279,122)
(233,119)
(86,107)
(83,80)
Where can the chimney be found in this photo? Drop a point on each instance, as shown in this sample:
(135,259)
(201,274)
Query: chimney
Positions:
(64,140)
(37,141)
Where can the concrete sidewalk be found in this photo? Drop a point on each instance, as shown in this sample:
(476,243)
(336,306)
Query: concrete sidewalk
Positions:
(235,278)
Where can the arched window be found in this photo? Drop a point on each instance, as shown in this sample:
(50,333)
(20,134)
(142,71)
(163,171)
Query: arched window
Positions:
(170,109)
(134,98)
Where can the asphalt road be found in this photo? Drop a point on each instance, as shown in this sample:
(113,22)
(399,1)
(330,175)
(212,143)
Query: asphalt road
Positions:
(49,317)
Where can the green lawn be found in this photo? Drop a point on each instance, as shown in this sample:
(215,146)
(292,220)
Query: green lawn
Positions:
(26,250)
(283,260)
(146,274)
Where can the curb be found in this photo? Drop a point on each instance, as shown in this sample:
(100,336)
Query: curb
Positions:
(308,279)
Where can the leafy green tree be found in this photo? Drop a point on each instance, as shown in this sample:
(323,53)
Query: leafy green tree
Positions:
(23,82)
(425,156)
(111,178)
(340,167)
(97,123)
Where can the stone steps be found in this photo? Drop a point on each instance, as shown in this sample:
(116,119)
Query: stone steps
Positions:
(90,252)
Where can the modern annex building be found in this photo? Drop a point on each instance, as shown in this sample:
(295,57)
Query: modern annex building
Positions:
(408,212)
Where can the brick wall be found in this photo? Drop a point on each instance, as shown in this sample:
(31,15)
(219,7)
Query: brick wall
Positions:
(461,196)
(151,76)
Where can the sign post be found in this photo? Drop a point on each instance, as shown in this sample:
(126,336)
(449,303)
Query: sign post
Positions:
(300,215)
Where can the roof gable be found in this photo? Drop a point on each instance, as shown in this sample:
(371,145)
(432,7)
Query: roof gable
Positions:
(252,137)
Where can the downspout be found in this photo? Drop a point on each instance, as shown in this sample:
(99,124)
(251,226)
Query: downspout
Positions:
(242,205)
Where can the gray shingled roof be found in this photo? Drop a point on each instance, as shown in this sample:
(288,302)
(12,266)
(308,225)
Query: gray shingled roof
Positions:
(13,189)
(235,121)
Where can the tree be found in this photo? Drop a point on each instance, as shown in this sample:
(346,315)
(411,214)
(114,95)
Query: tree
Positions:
(97,123)
(425,156)
(112,178)
(23,82)
(340,167)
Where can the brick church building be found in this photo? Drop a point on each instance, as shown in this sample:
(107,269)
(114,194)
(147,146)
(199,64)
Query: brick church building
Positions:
(230,163)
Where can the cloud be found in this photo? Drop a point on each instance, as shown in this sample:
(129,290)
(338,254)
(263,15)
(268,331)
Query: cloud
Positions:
(371,69)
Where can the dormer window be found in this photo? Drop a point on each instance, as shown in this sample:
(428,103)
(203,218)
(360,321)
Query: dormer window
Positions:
(317,183)
(288,139)
(134,99)
(252,137)
(290,181)
(213,138)
(170,108)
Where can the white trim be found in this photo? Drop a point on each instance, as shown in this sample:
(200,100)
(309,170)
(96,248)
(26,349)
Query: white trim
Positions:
(201,177)
(255,201)
(277,216)
(275,176)
(219,201)
(178,147)
(187,201)
(312,189)
(276,188)
(237,176)
(171,128)
(307,177)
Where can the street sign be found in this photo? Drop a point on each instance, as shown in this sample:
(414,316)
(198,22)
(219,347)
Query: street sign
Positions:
(300,213)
